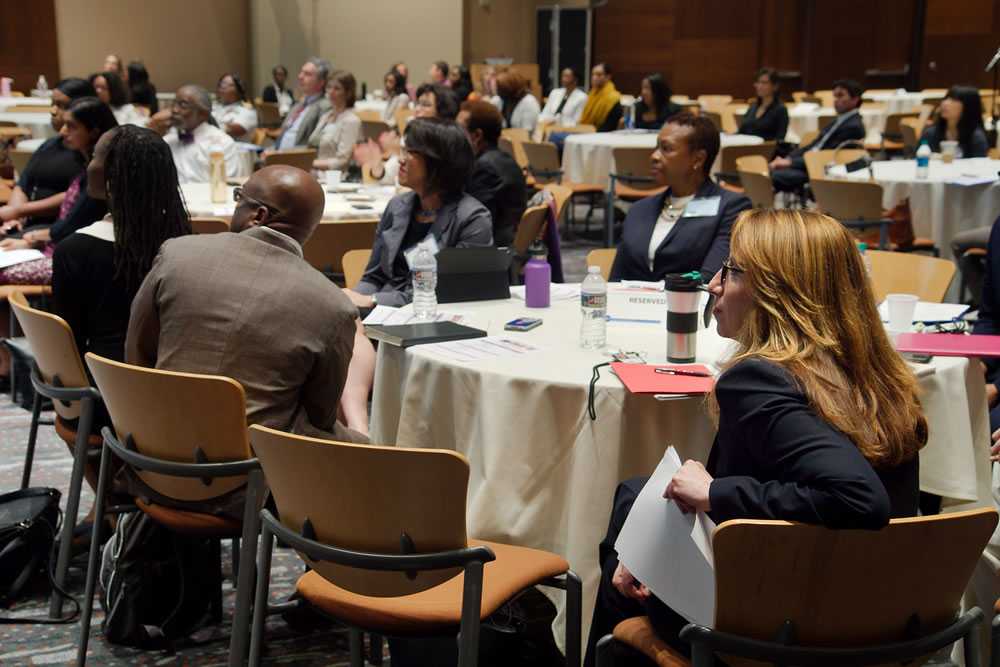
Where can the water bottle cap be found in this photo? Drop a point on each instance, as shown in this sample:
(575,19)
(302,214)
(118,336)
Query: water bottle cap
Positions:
(862,246)
(593,269)
(538,249)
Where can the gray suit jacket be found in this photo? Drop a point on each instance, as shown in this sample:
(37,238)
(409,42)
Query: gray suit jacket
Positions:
(461,223)
(248,306)
(310,118)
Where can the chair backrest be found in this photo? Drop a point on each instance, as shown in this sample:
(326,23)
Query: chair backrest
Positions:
(822,122)
(714,102)
(634,162)
(369,499)
(354,263)
(373,129)
(909,130)
(531,227)
(179,417)
(730,154)
(892,124)
(19,159)
(910,273)
(845,588)
(817,161)
(848,200)
(209,225)
(28,108)
(715,117)
(267,114)
(604,258)
(542,157)
(515,134)
(825,97)
(330,240)
(403,117)
(562,195)
(808,137)
(302,158)
(368,114)
(54,348)
(567,129)
(756,180)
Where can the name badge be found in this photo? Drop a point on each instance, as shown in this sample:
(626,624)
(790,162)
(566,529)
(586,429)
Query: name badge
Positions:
(702,207)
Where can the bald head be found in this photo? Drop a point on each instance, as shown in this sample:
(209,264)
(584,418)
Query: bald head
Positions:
(283,198)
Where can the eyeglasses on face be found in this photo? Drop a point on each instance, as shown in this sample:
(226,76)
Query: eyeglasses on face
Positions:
(239,196)
(727,268)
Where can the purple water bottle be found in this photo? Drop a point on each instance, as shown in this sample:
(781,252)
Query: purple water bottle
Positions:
(537,276)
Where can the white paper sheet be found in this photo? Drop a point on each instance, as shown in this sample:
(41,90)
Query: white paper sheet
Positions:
(13,257)
(929,312)
(390,315)
(557,291)
(669,551)
(475,349)
(970,180)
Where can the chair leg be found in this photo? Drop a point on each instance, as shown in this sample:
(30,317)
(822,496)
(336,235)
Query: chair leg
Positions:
(375,649)
(970,647)
(609,216)
(574,618)
(357,648)
(243,570)
(29,454)
(703,656)
(472,597)
(260,601)
(92,557)
(995,641)
(72,503)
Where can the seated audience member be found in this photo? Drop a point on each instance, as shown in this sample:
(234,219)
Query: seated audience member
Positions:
(654,107)
(113,63)
(603,109)
(520,107)
(231,112)
(40,188)
(687,227)
(488,88)
(960,118)
(404,71)
(818,417)
(193,136)
(789,173)
(141,91)
(989,321)
(766,117)
(276,93)
(112,91)
(496,180)
(438,74)
(564,105)
(395,95)
(435,101)
(435,165)
(248,306)
(339,129)
(302,117)
(460,81)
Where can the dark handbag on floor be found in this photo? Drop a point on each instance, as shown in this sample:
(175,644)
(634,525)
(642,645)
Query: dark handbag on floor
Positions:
(29,519)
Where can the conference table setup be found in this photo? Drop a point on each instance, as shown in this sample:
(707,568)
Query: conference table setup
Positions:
(345,202)
(544,472)
(804,117)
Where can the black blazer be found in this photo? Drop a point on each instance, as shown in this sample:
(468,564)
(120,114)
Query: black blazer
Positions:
(669,110)
(775,458)
(498,183)
(771,126)
(851,129)
(694,244)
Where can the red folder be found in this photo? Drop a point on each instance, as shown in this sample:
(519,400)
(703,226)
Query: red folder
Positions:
(949,345)
(643,379)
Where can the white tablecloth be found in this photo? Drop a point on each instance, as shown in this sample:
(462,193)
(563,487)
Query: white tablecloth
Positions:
(587,158)
(898,102)
(939,209)
(198,198)
(371,105)
(40,123)
(543,474)
(6,102)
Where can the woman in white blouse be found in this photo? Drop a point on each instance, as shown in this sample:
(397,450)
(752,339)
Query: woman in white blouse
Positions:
(520,107)
(111,90)
(230,110)
(395,94)
(340,128)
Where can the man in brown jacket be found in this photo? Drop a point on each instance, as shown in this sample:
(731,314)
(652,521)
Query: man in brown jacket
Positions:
(248,306)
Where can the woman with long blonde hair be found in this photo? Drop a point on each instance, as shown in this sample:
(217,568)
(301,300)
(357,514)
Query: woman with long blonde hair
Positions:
(818,416)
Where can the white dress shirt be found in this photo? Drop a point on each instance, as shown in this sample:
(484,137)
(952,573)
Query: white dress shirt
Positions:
(238,113)
(193,159)
(525,113)
(127,114)
(335,136)
(571,111)
(673,209)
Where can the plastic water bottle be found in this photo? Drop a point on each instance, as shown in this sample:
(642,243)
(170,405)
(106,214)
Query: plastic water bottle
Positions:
(42,84)
(923,160)
(593,308)
(865,258)
(424,271)
(630,117)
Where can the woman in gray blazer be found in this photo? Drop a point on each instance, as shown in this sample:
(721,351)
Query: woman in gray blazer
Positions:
(434,163)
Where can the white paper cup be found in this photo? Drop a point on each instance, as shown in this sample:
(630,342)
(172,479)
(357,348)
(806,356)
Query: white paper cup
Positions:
(333,176)
(901,309)
(949,150)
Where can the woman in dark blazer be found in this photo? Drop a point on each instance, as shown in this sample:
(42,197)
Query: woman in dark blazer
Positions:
(767,117)
(686,228)
(818,416)
(654,107)
(435,164)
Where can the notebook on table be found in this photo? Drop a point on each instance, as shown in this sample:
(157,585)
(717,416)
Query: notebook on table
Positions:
(643,379)
(949,345)
(408,335)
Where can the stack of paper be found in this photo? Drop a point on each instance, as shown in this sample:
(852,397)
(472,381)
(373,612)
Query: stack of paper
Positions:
(390,315)
(14,257)
(475,349)
(929,312)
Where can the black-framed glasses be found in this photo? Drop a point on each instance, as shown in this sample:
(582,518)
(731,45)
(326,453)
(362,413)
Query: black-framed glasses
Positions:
(240,196)
(727,268)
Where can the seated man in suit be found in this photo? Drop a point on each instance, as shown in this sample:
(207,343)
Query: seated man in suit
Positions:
(496,180)
(789,173)
(248,306)
(687,227)
(305,114)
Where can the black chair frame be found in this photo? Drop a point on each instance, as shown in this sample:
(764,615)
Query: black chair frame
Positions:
(470,559)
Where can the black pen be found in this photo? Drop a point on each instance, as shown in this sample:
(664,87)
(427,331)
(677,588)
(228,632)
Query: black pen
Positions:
(680,371)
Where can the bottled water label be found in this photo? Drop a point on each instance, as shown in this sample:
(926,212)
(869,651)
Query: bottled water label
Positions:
(594,300)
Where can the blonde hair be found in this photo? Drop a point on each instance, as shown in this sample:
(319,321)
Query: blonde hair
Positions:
(814,314)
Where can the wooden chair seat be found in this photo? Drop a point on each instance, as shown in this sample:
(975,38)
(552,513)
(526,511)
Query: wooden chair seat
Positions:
(638,634)
(584,188)
(191,523)
(623,191)
(439,608)
(26,290)
(68,434)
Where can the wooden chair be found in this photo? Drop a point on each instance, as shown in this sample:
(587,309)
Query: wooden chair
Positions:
(562,195)
(403,117)
(19,159)
(567,129)
(818,161)
(892,135)
(517,136)
(530,228)
(630,180)
(28,108)
(373,129)
(369,114)
(907,273)
(543,166)
(808,137)
(728,156)
(354,263)
(302,158)
(856,204)
(604,258)
(329,242)
(267,114)
(715,117)
(347,509)
(756,180)
(825,97)
(910,130)
(260,136)
(714,102)
(808,595)
(184,435)
(209,225)
(58,374)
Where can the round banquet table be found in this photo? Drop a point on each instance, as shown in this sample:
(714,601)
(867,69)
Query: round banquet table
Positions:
(587,158)
(899,101)
(40,123)
(198,198)
(939,207)
(543,474)
(6,102)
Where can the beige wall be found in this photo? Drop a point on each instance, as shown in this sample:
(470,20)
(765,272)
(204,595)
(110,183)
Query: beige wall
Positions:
(363,37)
(181,41)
